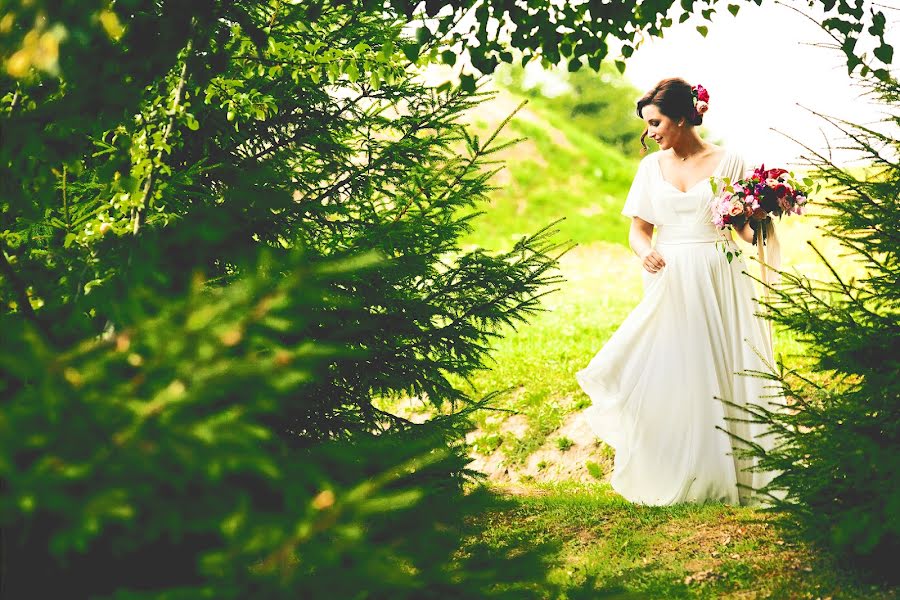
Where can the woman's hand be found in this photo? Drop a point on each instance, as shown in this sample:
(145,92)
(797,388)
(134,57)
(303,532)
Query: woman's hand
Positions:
(639,239)
(652,260)
(745,232)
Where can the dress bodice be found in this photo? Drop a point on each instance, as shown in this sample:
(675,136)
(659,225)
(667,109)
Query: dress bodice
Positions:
(680,216)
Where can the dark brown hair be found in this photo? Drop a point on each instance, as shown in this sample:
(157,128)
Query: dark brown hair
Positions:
(673,98)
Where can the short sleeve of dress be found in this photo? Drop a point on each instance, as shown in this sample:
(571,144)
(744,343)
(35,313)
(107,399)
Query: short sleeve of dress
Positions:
(637,203)
(736,167)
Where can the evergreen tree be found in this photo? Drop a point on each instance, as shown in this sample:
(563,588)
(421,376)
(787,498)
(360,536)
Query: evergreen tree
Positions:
(189,361)
(839,454)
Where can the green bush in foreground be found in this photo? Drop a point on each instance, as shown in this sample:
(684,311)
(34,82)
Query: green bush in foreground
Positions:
(188,362)
(840,451)
(142,465)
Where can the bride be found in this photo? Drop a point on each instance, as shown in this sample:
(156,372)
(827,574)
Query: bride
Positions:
(657,385)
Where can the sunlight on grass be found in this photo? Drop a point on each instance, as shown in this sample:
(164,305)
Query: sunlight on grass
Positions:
(604,543)
(539,359)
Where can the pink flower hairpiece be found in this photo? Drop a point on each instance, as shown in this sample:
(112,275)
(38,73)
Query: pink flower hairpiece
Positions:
(701,99)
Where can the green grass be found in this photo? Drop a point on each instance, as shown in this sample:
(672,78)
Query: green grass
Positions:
(564,443)
(599,542)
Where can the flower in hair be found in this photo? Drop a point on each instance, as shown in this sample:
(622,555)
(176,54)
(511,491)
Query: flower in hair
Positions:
(699,92)
(701,99)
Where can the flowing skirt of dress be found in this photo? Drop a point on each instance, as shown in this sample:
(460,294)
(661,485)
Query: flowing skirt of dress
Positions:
(656,385)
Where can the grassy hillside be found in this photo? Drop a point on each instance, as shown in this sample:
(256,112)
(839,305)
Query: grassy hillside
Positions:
(556,172)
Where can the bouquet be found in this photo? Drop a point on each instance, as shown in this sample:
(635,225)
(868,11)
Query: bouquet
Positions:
(762,194)
(755,199)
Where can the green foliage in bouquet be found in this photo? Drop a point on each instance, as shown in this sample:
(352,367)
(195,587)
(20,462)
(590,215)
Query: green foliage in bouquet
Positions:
(840,430)
(189,361)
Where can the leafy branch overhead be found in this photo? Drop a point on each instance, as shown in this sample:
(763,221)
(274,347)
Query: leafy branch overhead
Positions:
(486,32)
(580,32)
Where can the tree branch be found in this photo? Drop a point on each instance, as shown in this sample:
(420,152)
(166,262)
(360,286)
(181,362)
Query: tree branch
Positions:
(150,184)
(21,292)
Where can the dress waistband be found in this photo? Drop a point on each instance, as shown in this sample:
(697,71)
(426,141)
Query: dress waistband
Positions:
(700,233)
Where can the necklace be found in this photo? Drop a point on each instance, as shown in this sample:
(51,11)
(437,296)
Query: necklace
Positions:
(684,158)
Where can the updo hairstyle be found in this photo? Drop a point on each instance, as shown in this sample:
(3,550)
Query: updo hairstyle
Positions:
(674,99)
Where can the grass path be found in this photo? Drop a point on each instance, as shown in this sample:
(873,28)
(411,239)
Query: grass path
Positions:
(595,542)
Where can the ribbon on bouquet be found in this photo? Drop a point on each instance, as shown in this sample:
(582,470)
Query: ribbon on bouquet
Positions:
(769,255)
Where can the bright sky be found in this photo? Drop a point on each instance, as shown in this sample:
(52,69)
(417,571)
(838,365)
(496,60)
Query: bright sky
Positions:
(757,67)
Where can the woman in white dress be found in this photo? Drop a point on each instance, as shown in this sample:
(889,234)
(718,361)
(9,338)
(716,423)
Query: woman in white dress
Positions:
(657,385)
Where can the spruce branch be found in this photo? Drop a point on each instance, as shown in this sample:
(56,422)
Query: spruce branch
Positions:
(139,211)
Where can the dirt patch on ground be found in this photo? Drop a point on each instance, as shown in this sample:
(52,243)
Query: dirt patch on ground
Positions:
(571,453)
(552,463)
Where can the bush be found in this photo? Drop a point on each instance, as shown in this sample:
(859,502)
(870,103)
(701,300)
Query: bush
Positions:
(840,452)
(206,285)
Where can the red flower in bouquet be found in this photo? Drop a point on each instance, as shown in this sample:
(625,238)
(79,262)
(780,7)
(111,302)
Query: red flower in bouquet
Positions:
(772,173)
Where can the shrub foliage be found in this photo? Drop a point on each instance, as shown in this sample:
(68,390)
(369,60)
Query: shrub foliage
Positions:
(227,228)
(840,450)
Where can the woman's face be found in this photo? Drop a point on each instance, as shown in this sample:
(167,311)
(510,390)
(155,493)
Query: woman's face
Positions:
(661,128)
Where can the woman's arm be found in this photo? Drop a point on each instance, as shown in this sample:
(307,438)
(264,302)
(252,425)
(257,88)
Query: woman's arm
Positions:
(639,237)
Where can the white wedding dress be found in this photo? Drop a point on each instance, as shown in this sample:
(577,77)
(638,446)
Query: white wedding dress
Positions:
(656,385)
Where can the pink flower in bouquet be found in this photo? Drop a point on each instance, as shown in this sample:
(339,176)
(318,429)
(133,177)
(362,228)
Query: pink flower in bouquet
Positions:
(737,207)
